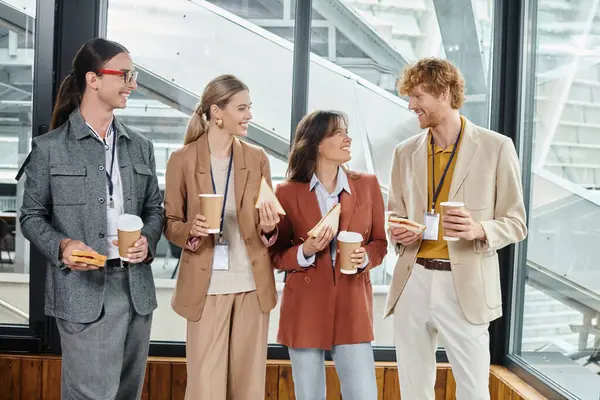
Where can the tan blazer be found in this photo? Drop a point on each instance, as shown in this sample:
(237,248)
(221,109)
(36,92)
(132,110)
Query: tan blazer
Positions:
(487,179)
(188,174)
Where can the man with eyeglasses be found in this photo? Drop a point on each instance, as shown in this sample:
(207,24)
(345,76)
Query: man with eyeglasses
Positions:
(82,176)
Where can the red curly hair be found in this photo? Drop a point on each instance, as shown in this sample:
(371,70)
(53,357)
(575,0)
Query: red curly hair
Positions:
(436,75)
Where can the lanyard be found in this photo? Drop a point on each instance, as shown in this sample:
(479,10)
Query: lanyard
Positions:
(226,189)
(436,191)
(112,163)
(109,175)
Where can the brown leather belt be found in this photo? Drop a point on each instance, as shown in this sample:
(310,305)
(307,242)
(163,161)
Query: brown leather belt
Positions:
(436,265)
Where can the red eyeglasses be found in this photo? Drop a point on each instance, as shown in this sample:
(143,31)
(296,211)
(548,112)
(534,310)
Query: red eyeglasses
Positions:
(128,76)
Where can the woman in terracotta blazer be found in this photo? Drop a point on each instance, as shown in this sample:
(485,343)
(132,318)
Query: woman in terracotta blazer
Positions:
(227,304)
(323,309)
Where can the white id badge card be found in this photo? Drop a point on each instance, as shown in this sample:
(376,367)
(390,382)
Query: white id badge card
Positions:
(221,257)
(432,222)
(112,213)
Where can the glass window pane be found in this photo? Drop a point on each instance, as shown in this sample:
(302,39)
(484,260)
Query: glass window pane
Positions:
(16,82)
(374,42)
(179,46)
(559,332)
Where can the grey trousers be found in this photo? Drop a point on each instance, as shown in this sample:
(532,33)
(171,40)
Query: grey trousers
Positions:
(106,359)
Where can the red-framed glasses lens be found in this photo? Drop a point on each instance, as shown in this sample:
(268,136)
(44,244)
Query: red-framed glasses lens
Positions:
(128,76)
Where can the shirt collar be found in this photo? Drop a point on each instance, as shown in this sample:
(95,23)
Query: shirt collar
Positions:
(342,182)
(109,131)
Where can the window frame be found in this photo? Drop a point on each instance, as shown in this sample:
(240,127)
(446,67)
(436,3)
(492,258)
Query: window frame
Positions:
(62,26)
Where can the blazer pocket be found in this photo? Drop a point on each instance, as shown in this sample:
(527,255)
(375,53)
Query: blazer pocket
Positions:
(479,192)
(490,274)
(142,175)
(67,183)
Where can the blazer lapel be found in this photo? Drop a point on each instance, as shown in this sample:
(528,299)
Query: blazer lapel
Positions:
(240,172)
(348,203)
(203,180)
(419,171)
(308,205)
(469,147)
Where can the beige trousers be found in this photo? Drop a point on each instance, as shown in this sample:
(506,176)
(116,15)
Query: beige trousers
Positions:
(227,349)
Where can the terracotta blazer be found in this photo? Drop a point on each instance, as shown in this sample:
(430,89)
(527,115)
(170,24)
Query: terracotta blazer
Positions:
(322,307)
(188,174)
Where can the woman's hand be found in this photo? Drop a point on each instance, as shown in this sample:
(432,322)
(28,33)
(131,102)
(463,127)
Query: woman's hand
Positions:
(199,227)
(268,217)
(314,245)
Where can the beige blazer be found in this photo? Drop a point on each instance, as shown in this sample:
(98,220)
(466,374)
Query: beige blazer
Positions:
(487,179)
(188,175)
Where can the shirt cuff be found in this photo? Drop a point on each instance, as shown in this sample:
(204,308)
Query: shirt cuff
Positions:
(365,263)
(193,243)
(271,240)
(303,261)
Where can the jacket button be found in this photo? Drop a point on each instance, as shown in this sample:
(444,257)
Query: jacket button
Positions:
(254,264)
(307,279)
(101,200)
(408,267)
(101,235)
(101,168)
(248,241)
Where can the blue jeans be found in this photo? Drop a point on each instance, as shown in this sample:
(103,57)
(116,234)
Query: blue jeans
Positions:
(354,364)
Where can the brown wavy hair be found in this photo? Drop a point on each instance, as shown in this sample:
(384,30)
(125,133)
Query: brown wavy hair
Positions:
(436,75)
(311,131)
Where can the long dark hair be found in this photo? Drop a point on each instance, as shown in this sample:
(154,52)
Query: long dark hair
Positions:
(311,131)
(90,57)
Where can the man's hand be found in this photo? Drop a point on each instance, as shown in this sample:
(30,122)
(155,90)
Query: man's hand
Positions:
(67,246)
(458,223)
(404,236)
(138,252)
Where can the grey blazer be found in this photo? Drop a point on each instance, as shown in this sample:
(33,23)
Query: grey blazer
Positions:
(64,197)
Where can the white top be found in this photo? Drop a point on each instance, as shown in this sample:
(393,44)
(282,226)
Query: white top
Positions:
(112,217)
(238,278)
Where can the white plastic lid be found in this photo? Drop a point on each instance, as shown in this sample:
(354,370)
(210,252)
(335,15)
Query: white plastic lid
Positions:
(350,237)
(129,223)
(452,204)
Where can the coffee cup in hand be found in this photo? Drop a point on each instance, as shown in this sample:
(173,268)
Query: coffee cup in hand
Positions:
(129,230)
(211,206)
(348,242)
(447,206)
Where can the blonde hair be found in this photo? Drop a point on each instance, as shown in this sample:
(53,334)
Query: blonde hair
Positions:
(436,75)
(218,92)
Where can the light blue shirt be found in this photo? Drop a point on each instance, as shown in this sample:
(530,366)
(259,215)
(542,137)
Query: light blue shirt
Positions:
(326,202)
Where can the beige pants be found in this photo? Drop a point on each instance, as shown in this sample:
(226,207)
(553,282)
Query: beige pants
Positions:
(428,308)
(227,349)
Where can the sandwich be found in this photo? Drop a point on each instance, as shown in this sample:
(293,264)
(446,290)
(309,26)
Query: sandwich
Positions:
(88,257)
(266,194)
(397,222)
(332,219)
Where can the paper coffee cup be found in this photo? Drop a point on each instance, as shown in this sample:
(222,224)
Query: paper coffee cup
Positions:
(449,205)
(211,206)
(129,230)
(347,243)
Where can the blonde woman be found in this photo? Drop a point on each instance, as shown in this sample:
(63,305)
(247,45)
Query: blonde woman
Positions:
(227,304)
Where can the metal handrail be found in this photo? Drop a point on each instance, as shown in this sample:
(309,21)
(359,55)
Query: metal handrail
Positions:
(14,310)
